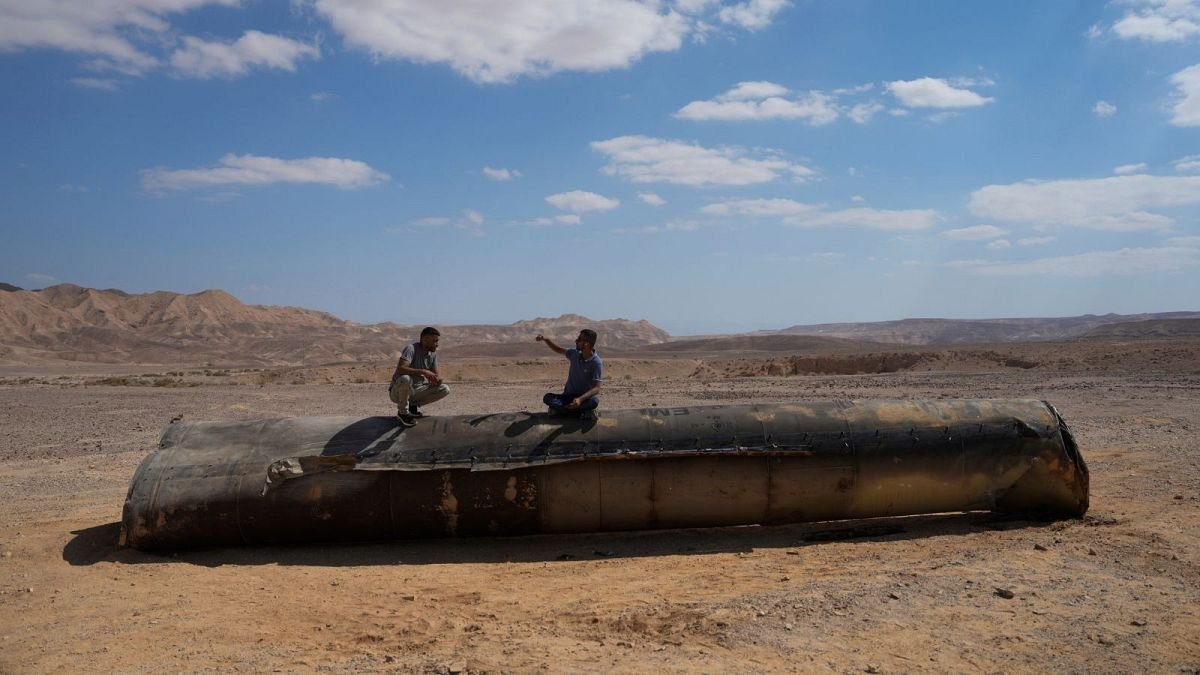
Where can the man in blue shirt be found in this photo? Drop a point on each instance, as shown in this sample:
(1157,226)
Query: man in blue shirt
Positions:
(580,395)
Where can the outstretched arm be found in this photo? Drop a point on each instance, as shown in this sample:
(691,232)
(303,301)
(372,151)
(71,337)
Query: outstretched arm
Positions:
(550,343)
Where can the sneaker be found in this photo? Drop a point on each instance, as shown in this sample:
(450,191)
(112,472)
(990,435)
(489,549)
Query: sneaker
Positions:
(406,421)
(414,411)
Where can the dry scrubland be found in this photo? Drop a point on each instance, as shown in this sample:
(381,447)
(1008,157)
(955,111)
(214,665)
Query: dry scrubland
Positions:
(1117,591)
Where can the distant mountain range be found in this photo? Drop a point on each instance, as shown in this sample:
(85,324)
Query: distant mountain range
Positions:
(990,331)
(72,323)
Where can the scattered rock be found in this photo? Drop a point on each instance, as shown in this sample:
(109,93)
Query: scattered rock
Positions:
(1039,547)
(457,667)
(1005,593)
(1138,622)
(871,668)
(893,595)
(605,554)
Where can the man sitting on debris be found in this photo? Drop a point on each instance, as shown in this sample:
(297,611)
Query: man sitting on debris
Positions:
(580,395)
(416,381)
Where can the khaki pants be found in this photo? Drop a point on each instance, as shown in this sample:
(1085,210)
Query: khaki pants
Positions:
(403,392)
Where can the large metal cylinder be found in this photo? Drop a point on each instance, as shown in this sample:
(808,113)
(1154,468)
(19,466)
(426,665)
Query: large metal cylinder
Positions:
(337,478)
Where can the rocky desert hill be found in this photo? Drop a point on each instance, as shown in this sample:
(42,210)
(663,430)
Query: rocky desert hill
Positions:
(72,323)
(977,331)
(1156,328)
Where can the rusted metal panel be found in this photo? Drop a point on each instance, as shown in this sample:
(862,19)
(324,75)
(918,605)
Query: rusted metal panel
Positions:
(330,478)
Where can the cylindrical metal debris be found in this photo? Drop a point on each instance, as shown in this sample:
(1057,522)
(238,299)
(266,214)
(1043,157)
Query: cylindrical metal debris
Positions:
(336,478)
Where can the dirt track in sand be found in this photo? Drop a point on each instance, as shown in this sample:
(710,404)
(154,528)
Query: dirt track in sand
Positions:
(1116,591)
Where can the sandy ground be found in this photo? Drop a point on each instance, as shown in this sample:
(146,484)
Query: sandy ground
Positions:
(1118,591)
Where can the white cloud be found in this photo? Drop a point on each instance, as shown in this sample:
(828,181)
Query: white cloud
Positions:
(1186,109)
(759,207)
(219,197)
(999,245)
(71,187)
(432,221)
(753,90)
(494,42)
(1186,164)
(1155,28)
(38,278)
(753,14)
(874,219)
(322,96)
(863,112)
(1160,21)
(204,59)
(651,198)
(1036,241)
(1191,241)
(581,201)
(1115,203)
(501,174)
(100,29)
(561,219)
(961,264)
(1126,169)
(670,226)
(1104,109)
(101,83)
(1127,261)
(975,232)
(642,159)
(858,199)
(757,100)
(346,174)
(763,101)
(929,92)
(470,221)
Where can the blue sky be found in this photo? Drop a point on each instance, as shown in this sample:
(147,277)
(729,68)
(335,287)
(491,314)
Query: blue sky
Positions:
(710,166)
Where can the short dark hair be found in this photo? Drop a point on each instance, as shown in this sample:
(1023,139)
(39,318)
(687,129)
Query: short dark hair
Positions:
(589,336)
(430,330)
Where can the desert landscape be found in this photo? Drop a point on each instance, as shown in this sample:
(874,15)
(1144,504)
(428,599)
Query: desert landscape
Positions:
(87,384)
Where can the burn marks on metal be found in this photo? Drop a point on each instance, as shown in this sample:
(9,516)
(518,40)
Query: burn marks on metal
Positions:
(518,473)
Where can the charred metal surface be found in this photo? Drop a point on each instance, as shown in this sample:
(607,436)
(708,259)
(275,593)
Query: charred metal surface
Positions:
(333,478)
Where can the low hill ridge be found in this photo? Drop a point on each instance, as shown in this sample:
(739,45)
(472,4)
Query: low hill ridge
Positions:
(974,331)
(74,323)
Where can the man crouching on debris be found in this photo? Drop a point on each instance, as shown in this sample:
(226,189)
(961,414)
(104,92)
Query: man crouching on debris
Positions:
(580,395)
(416,381)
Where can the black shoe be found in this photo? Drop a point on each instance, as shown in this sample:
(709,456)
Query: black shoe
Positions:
(414,411)
(406,421)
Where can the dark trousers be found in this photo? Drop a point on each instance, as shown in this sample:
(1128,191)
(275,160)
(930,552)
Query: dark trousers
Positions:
(559,402)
